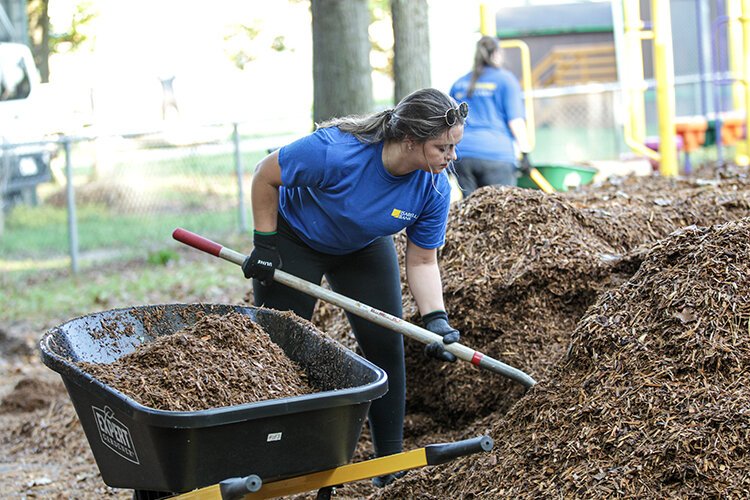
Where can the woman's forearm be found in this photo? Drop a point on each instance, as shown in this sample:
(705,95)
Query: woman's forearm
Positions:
(518,128)
(423,275)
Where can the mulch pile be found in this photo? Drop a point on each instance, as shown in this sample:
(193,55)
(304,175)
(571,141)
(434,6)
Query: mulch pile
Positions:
(220,360)
(53,427)
(651,400)
(521,272)
(520,269)
(30,394)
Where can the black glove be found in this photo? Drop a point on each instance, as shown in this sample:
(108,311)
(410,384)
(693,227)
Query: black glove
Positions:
(264,259)
(524,166)
(437,322)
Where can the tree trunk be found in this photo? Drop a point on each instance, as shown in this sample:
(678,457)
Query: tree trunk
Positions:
(4,176)
(342,78)
(411,46)
(43,62)
(38,15)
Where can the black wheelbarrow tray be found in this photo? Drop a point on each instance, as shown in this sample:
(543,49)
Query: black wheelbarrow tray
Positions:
(142,448)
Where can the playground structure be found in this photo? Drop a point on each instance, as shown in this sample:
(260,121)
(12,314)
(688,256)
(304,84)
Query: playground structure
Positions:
(660,105)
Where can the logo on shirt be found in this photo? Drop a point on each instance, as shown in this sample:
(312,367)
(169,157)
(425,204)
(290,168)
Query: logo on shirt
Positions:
(485,85)
(400,214)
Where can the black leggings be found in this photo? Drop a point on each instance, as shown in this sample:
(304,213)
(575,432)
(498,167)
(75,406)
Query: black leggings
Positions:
(371,276)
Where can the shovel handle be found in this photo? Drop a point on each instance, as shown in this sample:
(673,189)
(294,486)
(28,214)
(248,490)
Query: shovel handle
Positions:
(359,309)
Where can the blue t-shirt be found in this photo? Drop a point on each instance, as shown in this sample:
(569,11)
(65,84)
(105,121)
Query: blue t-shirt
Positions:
(496,101)
(339,198)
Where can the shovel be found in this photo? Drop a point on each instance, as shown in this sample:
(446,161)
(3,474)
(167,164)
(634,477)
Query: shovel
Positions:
(359,309)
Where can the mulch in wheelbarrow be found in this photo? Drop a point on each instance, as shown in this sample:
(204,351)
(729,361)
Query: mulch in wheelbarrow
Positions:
(220,360)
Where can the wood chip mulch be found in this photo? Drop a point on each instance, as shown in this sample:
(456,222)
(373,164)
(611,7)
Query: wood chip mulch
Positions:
(220,360)
(30,394)
(646,394)
(652,400)
(520,269)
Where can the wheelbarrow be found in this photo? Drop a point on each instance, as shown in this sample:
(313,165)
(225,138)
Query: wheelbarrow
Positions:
(255,450)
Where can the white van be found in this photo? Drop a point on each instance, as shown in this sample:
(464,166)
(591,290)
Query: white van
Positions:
(24,167)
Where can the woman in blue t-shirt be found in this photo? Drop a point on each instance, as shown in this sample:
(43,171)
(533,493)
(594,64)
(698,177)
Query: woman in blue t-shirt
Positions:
(328,205)
(487,155)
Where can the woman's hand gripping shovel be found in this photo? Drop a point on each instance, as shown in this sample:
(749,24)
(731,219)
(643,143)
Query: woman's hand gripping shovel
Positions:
(363,310)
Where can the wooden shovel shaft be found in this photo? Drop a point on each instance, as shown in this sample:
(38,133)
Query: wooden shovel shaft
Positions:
(358,308)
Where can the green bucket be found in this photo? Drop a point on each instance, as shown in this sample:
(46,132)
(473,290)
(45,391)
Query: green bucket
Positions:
(561,177)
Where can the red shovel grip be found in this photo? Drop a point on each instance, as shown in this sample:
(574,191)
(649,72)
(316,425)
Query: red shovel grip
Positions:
(197,241)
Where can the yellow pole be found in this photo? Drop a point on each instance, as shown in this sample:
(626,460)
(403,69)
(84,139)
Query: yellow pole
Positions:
(634,126)
(665,97)
(735,38)
(487,24)
(744,158)
(526,85)
(635,85)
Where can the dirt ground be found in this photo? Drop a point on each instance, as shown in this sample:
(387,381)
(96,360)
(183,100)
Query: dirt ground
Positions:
(553,285)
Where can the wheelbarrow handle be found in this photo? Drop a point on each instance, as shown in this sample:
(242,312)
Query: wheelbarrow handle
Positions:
(252,487)
(359,309)
(437,454)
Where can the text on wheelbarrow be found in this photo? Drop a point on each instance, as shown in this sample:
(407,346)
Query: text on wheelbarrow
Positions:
(114,434)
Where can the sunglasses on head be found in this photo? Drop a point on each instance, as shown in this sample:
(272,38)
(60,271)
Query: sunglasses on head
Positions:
(452,114)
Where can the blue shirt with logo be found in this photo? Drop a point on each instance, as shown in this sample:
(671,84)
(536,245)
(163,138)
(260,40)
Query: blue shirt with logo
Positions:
(496,101)
(339,198)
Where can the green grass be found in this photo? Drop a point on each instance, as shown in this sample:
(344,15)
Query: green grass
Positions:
(127,255)
(43,231)
(195,192)
(141,282)
(203,165)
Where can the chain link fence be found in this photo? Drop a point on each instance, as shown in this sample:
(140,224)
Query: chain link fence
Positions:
(577,124)
(584,123)
(112,197)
